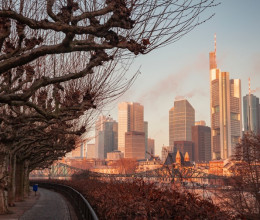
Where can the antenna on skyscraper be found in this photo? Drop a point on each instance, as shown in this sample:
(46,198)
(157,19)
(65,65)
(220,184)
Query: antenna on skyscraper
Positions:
(215,48)
(249,89)
(215,43)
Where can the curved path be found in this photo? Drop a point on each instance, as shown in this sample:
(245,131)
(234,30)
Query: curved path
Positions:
(50,206)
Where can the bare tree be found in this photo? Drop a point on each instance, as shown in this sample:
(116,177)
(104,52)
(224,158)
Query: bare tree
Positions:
(126,165)
(242,196)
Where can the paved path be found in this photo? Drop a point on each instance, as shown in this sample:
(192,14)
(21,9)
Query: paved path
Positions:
(50,206)
(21,207)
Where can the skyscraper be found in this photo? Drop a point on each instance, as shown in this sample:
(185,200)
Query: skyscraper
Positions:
(106,132)
(91,151)
(130,118)
(251,113)
(201,137)
(150,147)
(181,119)
(225,108)
(135,145)
(146,138)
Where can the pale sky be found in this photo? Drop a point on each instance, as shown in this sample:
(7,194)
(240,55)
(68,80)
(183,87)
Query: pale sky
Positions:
(182,68)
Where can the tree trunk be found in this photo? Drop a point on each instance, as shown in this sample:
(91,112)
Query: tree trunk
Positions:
(26,178)
(19,181)
(11,181)
(3,184)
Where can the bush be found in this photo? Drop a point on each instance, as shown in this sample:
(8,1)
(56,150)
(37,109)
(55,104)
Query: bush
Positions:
(139,200)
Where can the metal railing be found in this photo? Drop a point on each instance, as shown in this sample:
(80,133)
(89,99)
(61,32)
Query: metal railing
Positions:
(81,206)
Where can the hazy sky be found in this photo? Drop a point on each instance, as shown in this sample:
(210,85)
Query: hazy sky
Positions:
(182,68)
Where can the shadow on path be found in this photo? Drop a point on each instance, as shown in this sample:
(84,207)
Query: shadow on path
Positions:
(51,206)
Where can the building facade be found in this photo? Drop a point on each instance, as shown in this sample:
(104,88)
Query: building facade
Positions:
(165,151)
(200,123)
(106,136)
(115,155)
(150,148)
(181,119)
(135,145)
(183,147)
(225,108)
(201,137)
(91,151)
(251,113)
(146,137)
(130,118)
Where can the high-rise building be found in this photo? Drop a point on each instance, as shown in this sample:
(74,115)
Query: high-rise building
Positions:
(165,151)
(181,119)
(251,113)
(135,145)
(225,108)
(130,118)
(91,151)
(79,151)
(150,148)
(146,138)
(201,137)
(106,132)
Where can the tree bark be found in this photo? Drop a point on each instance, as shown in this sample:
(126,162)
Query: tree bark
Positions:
(11,181)
(19,181)
(26,178)
(3,184)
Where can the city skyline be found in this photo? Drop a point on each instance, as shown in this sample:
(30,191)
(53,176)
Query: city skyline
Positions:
(182,68)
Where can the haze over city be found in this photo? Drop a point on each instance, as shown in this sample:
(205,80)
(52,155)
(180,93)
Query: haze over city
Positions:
(181,70)
(129,109)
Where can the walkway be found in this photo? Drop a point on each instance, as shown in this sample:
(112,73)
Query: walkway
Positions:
(48,206)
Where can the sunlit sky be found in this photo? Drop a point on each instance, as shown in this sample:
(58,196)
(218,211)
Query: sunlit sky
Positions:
(182,68)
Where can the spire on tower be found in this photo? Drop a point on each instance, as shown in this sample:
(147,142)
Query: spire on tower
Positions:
(249,88)
(215,43)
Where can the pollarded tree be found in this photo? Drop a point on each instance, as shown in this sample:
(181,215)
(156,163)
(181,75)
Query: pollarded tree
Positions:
(101,30)
(33,140)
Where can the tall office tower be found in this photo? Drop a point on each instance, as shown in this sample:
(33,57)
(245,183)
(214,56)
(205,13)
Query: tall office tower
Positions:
(150,147)
(130,118)
(146,138)
(181,119)
(106,131)
(225,108)
(201,137)
(251,112)
(135,145)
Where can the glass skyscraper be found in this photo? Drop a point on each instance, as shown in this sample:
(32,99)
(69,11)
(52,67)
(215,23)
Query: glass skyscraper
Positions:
(105,136)
(130,118)
(251,113)
(225,108)
(181,119)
